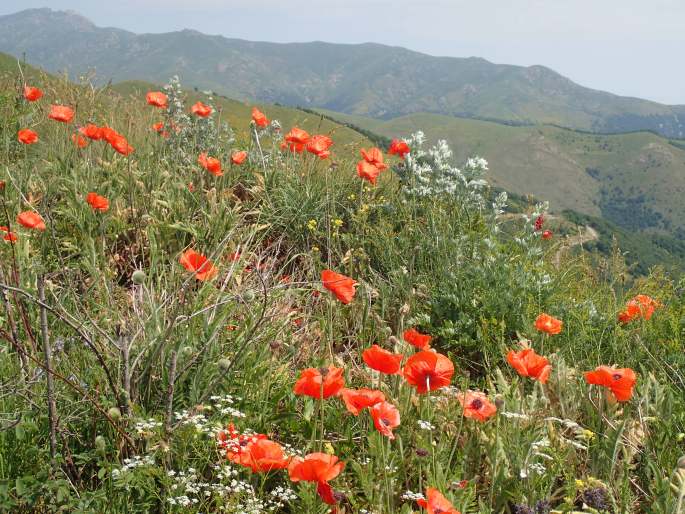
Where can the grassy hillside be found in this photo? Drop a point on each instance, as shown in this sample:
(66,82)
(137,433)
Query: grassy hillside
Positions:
(634,180)
(368,79)
(178,344)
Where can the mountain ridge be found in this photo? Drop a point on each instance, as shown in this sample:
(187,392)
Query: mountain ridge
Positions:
(368,79)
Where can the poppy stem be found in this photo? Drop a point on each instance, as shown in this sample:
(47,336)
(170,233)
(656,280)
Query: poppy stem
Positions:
(47,350)
(321,416)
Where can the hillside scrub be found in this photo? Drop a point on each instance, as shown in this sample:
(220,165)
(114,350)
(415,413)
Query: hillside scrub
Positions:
(186,328)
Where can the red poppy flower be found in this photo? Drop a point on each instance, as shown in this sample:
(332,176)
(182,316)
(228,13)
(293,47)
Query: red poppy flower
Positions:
(265,455)
(97,202)
(386,418)
(327,495)
(548,324)
(120,144)
(374,156)
(620,381)
(417,339)
(91,132)
(198,264)
(315,467)
(476,405)
(356,400)
(108,134)
(31,219)
(201,110)
(27,136)
(32,93)
(399,148)
(157,99)
(539,221)
(319,145)
(238,157)
(547,234)
(158,127)
(61,113)
(427,371)
(79,140)
(296,139)
(640,306)
(320,383)
(383,360)
(368,171)
(9,236)
(211,164)
(238,445)
(259,118)
(340,285)
(529,364)
(436,503)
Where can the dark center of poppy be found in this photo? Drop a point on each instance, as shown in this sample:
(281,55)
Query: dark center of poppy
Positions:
(438,510)
(385,422)
(323,371)
(476,404)
(616,376)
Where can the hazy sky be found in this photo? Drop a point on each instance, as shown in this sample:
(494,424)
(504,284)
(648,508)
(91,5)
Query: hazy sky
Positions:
(628,47)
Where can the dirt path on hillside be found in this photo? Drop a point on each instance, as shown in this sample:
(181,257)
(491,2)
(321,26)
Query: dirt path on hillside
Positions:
(585,235)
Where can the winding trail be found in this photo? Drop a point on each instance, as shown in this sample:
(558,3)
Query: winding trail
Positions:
(585,235)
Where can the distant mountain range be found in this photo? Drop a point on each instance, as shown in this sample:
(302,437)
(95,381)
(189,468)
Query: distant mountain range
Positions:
(371,80)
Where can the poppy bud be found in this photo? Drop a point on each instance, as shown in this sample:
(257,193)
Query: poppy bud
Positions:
(387,331)
(2,185)
(138,277)
(114,413)
(186,350)
(404,310)
(421,452)
(392,340)
(681,462)
(224,364)
(248,295)
(100,444)
(499,402)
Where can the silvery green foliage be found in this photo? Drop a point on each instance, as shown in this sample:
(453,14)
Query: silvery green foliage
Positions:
(430,172)
(529,238)
(190,135)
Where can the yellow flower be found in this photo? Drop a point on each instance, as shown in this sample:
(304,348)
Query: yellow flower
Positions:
(311,225)
(338,222)
(579,484)
(315,249)
(586,434)
(352,197)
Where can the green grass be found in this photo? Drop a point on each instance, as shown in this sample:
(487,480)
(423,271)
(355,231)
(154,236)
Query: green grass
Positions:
(149,364)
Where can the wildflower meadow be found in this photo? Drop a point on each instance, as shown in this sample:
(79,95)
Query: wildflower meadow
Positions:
(201,318)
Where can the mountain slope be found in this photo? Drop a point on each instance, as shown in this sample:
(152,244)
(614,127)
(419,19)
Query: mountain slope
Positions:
(368,79)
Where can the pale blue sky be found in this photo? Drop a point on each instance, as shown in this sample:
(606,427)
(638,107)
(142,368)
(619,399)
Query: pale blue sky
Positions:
(628,47)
